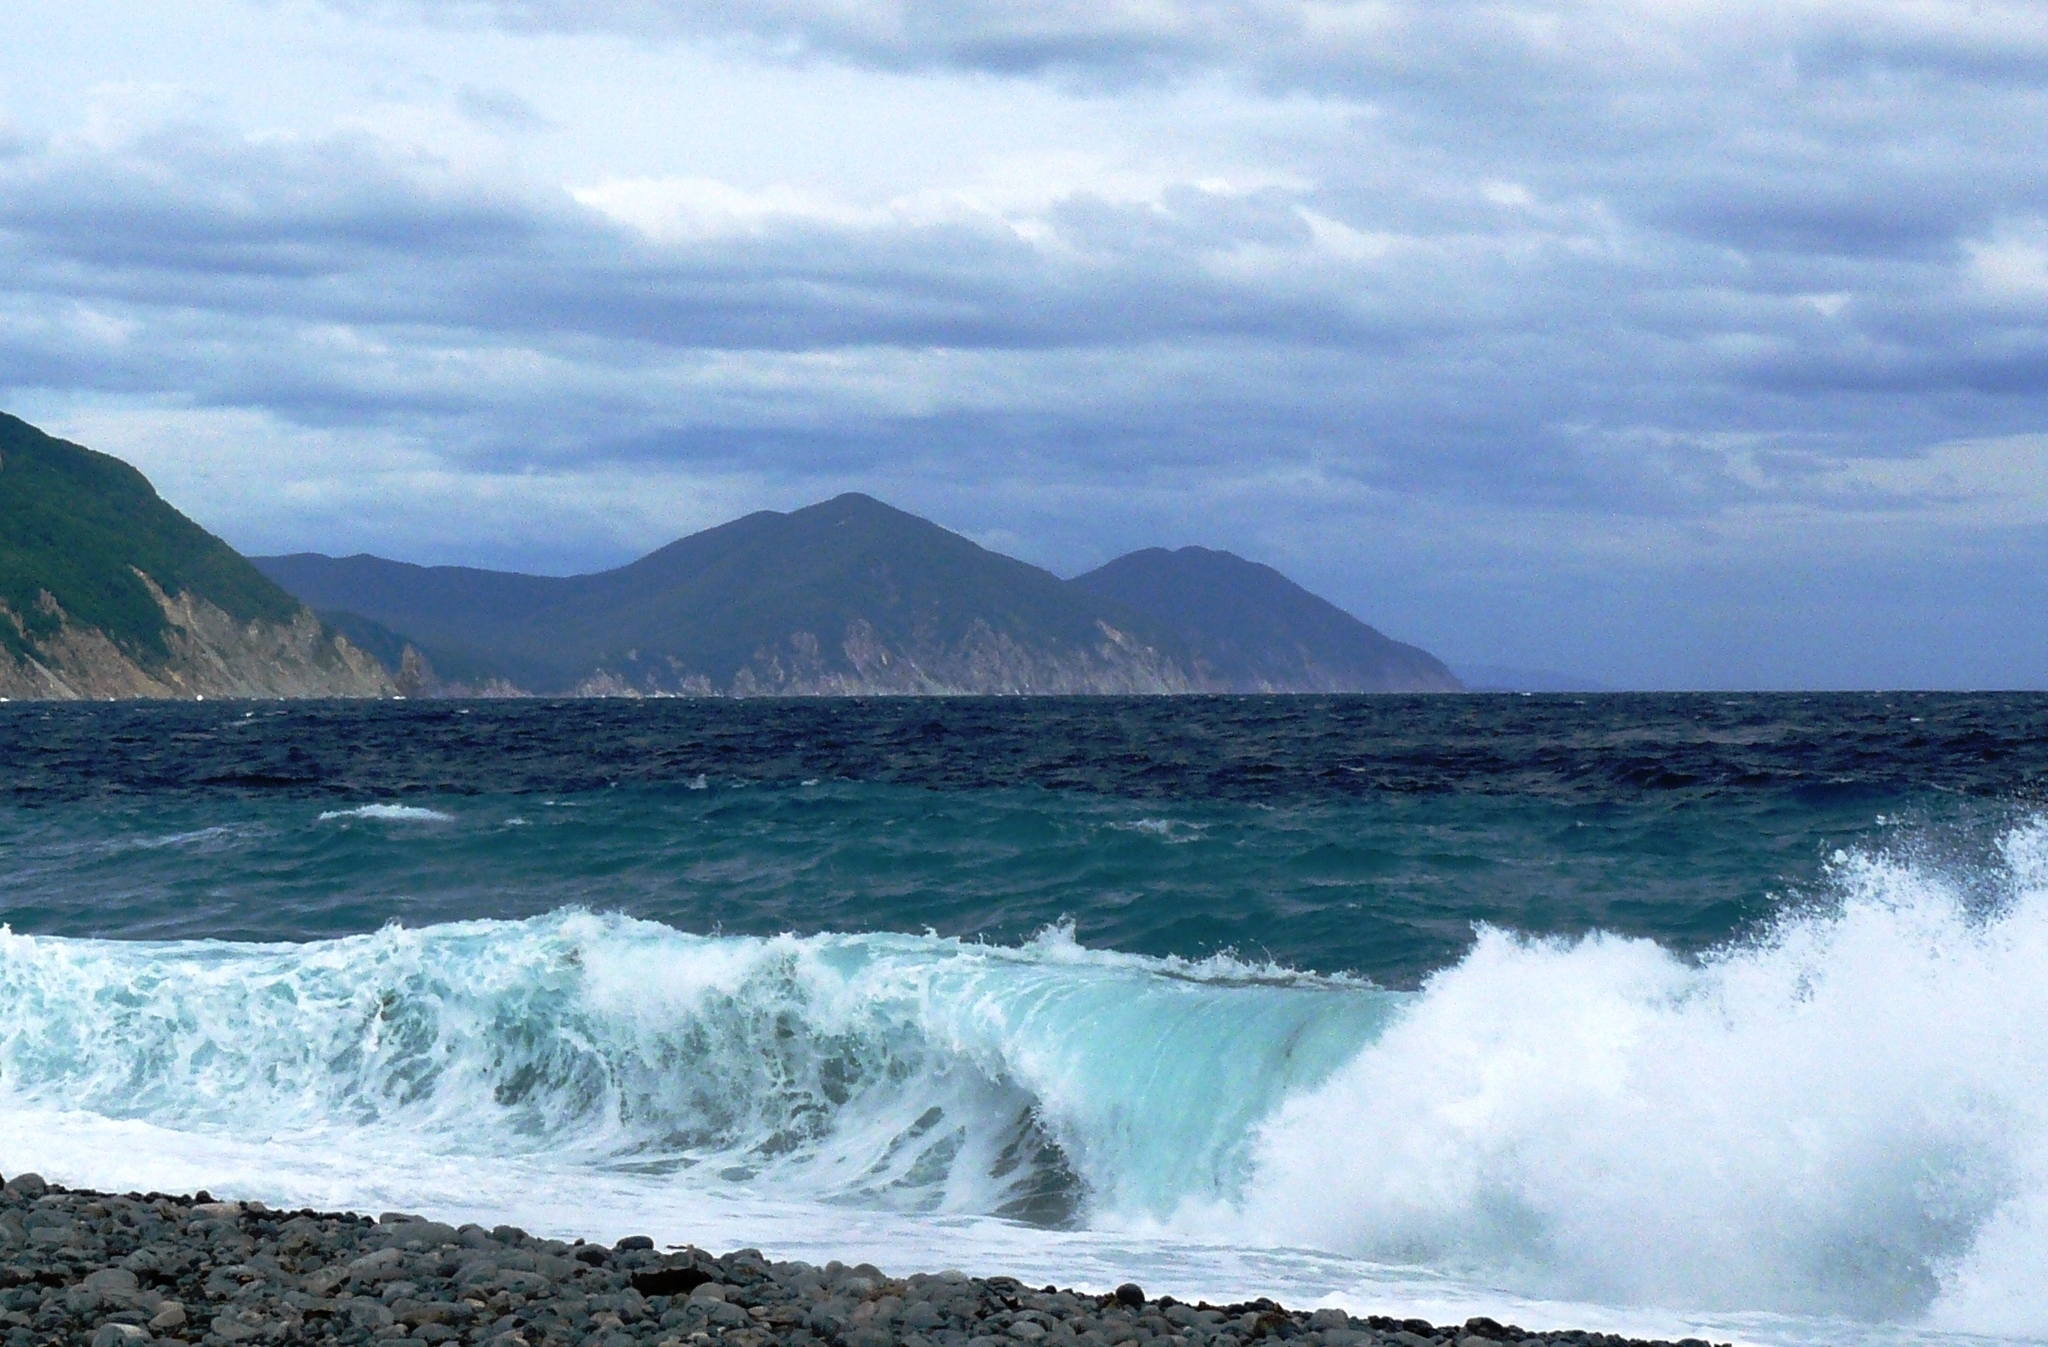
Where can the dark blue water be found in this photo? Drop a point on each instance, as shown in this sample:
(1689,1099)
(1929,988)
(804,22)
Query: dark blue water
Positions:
(1363,835)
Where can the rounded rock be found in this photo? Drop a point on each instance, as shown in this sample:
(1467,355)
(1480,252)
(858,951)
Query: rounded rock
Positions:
(1130,1293)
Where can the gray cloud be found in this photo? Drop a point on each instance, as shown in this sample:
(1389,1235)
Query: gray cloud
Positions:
(1499,362)
(1623,287)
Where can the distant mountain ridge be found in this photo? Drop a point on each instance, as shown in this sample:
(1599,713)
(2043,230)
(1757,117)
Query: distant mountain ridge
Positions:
(1249,628)
(107,591)
(852,596)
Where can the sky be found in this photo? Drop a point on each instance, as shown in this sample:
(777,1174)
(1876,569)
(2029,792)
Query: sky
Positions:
(1669,343)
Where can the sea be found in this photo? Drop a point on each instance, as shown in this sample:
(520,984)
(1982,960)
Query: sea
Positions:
(1666,1015)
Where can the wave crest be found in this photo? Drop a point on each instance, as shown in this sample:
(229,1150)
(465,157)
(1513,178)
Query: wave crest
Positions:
(1844,1116)
(402,813)
(898,1071)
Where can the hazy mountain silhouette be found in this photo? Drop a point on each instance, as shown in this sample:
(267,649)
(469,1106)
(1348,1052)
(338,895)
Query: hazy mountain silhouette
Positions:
(849,596)
(1253,630)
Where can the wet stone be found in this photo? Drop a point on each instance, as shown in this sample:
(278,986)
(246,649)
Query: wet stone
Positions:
(88,1269)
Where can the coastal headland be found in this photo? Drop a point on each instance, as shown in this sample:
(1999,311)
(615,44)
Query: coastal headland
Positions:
(108,592)
(108,1270)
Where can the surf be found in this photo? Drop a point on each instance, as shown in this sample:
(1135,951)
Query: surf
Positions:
(900,1072)
(1840,1115)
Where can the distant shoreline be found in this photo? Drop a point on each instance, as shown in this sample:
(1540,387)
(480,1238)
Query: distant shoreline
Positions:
(891,695)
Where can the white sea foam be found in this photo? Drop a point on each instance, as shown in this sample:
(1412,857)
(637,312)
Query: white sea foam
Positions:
(390,812)
(218,837)
(1168,830)
(1848,1118)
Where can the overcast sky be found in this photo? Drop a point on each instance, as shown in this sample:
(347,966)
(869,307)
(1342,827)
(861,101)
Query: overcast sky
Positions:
(1669,342)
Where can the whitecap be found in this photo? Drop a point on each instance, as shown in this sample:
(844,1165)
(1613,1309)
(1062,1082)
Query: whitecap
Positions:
(1172,831)
(391,812)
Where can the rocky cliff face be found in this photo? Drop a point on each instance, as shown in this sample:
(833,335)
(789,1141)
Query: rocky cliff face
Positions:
(982,662)
(211,654)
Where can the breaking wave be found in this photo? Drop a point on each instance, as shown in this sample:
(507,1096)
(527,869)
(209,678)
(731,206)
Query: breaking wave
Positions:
(1846,1115)
(897,1071)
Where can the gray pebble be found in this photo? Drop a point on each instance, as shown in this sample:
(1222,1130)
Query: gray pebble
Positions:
(108,1270)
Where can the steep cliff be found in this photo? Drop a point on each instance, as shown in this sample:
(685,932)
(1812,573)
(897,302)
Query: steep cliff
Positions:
(106,591)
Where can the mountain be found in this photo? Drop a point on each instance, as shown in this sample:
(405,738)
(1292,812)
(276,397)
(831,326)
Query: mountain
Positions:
(847,597)
(850,596)
(106,591)
(1251,629)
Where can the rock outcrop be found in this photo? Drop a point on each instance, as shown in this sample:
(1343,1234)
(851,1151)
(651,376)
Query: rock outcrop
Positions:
(981,662)
(108,591)
(211,654)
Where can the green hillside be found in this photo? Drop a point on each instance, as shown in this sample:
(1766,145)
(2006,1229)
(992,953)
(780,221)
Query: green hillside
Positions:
(731,598)
(74,522)
(711,600)
(1253,627)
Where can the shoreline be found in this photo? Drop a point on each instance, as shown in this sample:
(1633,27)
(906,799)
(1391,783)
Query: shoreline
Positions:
(108,1270)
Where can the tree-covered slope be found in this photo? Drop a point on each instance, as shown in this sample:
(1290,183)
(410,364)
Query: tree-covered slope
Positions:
(852,595)
(709,605)
(1253,629)
(714,599)
(77,525)
(471,623)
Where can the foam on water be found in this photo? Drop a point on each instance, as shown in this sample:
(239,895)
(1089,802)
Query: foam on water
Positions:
(1170,831)
(399,812)
(1848,1116)
(1844,1118)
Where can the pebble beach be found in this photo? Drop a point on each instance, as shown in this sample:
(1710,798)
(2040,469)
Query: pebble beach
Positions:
(109,1270)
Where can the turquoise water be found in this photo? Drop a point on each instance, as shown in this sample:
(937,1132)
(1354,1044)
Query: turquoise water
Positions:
(1711,1014)
(1385,888)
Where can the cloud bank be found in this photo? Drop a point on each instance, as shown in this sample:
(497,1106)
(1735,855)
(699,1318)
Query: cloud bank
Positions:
(1677,343)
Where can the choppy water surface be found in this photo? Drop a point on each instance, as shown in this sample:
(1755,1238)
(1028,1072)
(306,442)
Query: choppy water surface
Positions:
(1719,1014)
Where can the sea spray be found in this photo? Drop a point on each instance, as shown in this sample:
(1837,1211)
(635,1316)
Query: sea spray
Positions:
(1845,1115)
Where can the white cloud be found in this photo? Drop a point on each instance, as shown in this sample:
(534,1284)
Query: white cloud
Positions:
(2014,264)
(672,210)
